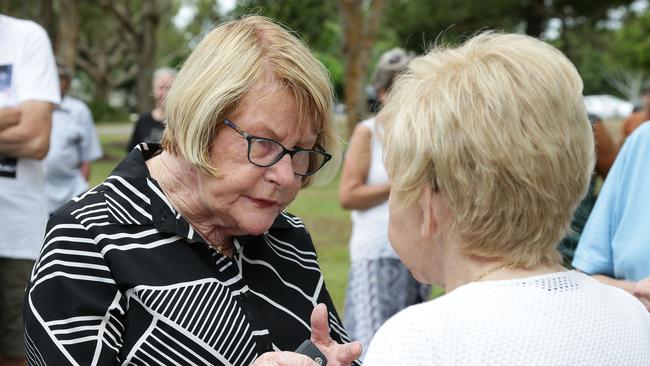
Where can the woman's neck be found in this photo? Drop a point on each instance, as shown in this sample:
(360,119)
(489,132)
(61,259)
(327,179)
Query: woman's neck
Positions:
(158,114)
(462,269)
(179,180)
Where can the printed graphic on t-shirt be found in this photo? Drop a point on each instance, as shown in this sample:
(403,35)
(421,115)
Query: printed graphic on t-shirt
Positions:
(7,164)
(6,94)
(8,167)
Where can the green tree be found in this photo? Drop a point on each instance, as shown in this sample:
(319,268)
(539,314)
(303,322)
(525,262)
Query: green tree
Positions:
(419,23)
(305,17)
(632,44)
(316,22)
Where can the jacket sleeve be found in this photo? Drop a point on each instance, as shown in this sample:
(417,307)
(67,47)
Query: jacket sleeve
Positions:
(73,310)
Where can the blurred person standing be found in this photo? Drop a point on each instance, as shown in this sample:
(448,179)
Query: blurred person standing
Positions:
(379,284)
(639,117)
(150,126)
(73,146)
(615,245)
(28,93)
(606,151)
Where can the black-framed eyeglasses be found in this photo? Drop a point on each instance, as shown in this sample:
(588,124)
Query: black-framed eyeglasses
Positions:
(264,152)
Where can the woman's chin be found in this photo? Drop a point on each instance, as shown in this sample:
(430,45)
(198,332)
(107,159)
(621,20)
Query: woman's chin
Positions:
(258,226)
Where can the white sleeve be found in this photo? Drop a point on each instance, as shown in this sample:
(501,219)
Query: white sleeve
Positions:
(36,73)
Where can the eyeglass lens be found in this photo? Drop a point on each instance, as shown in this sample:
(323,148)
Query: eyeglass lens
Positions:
(266,152)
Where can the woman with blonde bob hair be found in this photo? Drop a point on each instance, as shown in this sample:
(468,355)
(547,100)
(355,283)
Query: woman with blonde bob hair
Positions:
(185,255)
(499,153)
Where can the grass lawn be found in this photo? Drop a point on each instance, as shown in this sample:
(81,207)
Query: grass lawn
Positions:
(327,222)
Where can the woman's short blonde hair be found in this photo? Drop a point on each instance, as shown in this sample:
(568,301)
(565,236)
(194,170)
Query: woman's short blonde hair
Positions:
(225,65)
(498,127)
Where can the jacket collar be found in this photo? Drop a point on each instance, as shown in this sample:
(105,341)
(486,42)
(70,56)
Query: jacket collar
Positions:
(133,169)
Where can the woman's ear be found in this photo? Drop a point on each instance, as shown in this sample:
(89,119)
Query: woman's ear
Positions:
(429,219)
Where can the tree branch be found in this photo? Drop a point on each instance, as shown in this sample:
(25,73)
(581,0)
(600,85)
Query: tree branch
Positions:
(121,15)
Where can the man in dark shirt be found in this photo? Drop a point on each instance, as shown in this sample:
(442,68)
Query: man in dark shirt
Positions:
(149,127)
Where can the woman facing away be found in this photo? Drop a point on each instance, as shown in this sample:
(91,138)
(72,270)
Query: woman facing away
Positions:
(184,255)
(379,284)
(489,150)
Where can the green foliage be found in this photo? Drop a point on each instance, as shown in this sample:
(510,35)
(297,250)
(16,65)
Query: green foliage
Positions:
(103,112)
(632,44)
(587,47)
(305,17)
(419,23)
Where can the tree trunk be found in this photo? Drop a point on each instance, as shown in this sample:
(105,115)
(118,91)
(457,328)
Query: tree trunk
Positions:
(45,17)
(147,54)
(359,36)
(534,13)
(68,33)
(103,89)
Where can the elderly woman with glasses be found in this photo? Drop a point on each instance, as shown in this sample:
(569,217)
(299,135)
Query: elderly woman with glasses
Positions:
(488,151)
(185,255)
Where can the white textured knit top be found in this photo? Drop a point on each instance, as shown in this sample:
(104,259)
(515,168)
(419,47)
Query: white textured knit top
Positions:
(563,318)
(369,238)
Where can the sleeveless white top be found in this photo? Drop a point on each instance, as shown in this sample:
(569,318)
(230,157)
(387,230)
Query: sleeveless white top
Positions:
(369,238)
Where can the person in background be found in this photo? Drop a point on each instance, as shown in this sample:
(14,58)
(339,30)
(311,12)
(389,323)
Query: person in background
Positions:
(379,284)
(29,91)
(150,126)
(488,150)
(615,244)
(184,254)
(639,117)
(606,152)
(73,146)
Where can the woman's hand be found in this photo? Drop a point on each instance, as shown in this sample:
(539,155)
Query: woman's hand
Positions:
(642,292)
(283,359)
(337,354)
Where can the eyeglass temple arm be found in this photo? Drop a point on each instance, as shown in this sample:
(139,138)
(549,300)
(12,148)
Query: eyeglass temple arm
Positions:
(232,125)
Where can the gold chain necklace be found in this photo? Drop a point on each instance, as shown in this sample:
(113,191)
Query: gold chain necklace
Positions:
(494,269)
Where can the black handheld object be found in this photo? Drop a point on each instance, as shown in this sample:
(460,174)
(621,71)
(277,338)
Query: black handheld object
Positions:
(310,350)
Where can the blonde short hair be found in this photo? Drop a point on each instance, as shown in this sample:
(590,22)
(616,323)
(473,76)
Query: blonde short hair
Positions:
(225,65)
(498,126)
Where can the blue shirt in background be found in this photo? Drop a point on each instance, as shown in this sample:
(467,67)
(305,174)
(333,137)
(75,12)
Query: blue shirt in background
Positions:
(616,239)
(73,140)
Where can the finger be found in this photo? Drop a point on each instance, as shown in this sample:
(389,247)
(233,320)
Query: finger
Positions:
(283,359)
(350,351)
(292,358)
(641,292)
(320,330)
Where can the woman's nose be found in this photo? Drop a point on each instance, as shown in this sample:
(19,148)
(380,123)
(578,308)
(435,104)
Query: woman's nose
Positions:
(281,173)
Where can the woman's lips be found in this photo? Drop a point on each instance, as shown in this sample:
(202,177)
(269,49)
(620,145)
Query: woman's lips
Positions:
(262,203)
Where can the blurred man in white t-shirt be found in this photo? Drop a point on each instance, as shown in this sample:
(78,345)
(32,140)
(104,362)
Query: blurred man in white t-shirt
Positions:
(29,91)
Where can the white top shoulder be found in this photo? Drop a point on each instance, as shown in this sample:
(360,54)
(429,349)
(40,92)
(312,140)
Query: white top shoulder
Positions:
(564,318)
(28,62)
